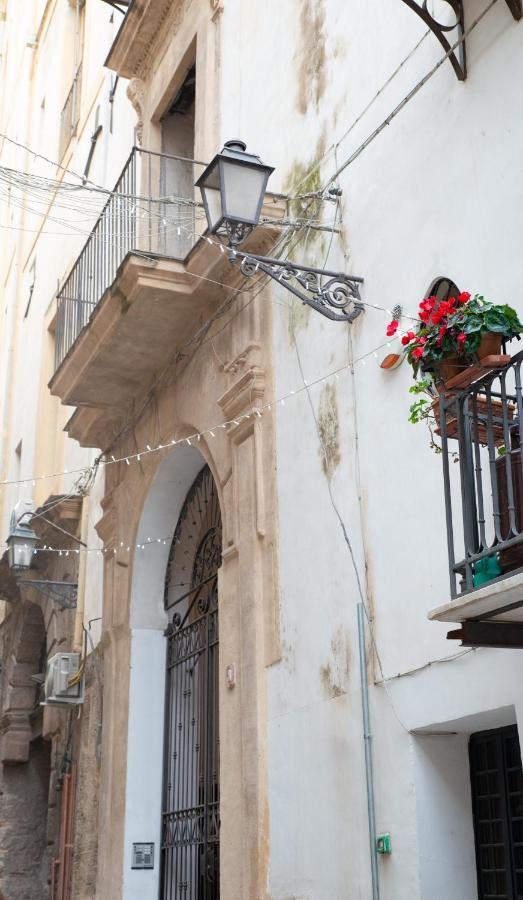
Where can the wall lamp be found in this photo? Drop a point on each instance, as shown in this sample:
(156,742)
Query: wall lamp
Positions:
(21,546)
(233,189)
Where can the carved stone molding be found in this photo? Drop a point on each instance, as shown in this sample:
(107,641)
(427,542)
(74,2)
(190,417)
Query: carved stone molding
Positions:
(250,356)
(216,8)
(136,94)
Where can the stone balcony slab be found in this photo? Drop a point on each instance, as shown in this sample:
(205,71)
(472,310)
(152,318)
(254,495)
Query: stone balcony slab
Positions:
(154,305)
(499,601)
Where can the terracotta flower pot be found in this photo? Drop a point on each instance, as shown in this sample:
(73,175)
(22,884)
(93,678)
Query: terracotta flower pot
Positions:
(490,345)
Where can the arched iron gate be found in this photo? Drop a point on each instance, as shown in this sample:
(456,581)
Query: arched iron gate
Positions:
(191,801)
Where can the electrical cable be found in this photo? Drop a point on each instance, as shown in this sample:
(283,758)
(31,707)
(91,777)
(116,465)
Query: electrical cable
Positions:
(411,94)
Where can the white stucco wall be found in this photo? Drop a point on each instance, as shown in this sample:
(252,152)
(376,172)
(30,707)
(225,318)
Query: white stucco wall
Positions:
(438,193)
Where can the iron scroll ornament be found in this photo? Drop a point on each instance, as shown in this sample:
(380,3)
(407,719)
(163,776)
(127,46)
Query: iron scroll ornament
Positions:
(337,299)
(457,58)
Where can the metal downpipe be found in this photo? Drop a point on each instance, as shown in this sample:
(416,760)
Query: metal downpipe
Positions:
(367,739)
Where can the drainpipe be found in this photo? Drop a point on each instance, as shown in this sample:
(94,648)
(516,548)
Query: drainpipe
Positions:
(367,738)
(78,640)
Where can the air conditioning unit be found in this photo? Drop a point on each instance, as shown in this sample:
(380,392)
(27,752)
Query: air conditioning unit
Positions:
(61,670)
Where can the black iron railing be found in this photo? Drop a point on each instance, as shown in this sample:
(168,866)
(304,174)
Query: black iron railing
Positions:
(151,210)
(480,428)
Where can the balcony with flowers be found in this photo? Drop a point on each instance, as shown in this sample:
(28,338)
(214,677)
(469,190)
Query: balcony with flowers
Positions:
(468,391)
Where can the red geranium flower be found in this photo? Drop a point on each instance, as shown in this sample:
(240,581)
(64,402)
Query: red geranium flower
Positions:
(407,338)
(464,297)
(462,338)
(392,328)
(417,353)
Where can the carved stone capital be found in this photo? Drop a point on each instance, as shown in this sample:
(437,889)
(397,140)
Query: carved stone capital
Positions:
(245,395)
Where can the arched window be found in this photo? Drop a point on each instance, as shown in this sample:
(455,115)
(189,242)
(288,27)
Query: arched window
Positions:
(443,288)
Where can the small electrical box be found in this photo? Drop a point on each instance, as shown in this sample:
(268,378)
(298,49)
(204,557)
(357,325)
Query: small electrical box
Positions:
(383,845)
(143,856)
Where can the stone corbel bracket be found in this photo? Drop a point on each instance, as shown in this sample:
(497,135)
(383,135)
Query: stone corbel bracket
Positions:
(458,57)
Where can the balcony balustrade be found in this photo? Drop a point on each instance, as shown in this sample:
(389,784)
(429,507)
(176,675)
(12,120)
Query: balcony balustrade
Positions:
(151,211)
(480,429)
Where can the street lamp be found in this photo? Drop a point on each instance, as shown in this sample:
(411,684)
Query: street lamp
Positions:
(21,540)
(233,189)
(21,544)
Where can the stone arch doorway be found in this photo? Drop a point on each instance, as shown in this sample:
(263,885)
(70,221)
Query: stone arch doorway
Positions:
(190,807)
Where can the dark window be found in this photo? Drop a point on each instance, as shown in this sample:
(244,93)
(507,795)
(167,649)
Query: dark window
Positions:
(497,801)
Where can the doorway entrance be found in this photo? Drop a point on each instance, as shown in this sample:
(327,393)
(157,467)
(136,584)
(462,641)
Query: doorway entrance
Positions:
(191,801)
(497,798)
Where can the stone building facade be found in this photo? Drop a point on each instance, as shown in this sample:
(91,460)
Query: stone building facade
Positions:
(256,532)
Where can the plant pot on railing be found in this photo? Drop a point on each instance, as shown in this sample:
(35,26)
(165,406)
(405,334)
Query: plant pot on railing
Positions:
(480,414)
(489,345)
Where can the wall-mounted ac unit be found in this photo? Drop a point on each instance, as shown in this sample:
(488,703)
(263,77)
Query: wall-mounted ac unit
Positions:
(58,690)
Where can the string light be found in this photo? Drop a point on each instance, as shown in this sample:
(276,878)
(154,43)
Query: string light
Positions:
(207,432)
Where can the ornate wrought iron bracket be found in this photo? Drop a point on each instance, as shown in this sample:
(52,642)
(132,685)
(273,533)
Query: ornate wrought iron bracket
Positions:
(337,299)
(62,592)
(516,8)
(458,58)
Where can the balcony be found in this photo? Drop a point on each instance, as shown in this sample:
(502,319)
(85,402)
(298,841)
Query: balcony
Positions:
(144,281)
(479,421)
(134,219)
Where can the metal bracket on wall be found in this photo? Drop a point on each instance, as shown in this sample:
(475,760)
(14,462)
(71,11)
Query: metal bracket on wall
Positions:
(62,592)
(457,58)
(337,298)
(516,8)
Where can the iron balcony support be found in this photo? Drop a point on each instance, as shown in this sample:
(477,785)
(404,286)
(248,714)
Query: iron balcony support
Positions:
(516,8)
(65,593)
(337,299)
(506,635)
(458,57)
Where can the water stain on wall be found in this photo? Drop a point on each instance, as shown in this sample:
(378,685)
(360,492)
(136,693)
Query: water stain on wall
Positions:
(335,674)
(329,430)
(304,244)
(312,56)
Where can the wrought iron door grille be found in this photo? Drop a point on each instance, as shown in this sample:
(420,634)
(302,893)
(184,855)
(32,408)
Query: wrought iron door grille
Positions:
(191,805)
(497,796)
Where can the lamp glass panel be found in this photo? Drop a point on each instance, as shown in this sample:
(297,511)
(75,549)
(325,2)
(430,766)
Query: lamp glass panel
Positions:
(213,205)
(210,188)
(243,188)
(20,552)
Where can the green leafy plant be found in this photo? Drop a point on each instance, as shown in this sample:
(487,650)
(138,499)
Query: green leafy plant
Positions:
(422,411)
